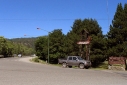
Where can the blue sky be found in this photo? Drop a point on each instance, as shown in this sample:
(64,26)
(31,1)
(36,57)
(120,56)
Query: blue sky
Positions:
(22,17)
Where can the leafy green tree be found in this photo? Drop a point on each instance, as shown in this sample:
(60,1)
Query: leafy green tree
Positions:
(117,36)
(41,47)
(57,45)
(6,47)
(3,46)
(10,48)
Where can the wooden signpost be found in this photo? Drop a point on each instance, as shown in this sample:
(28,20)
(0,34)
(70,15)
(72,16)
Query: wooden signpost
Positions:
(117,63)
(84,41)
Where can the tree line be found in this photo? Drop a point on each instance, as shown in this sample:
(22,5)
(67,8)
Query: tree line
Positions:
(114,43)
(9,47)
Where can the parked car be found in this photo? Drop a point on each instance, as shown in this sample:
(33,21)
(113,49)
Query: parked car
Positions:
(19,55)
(75,61)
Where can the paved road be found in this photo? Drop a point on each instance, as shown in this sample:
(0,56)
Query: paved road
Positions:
(17,71)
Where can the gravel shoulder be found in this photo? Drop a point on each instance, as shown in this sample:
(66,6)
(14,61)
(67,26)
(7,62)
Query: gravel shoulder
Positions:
(26,59)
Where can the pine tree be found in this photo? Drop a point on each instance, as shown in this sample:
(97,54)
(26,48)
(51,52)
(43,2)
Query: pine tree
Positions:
(117,36)
(97,46)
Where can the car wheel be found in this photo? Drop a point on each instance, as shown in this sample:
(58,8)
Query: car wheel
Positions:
(87,67)
(70,66)
(81,66)
(64,65)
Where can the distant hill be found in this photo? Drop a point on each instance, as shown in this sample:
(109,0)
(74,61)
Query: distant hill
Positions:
(29,42)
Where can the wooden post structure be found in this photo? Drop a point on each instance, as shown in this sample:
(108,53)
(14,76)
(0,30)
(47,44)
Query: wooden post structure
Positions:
(85,40)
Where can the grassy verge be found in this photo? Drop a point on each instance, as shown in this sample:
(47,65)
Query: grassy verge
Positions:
(102,66)
(37,60)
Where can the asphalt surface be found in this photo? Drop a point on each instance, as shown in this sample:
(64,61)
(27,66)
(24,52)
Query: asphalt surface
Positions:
(19,71)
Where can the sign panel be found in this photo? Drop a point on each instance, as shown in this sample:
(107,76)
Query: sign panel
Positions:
(117,60)
(83,42)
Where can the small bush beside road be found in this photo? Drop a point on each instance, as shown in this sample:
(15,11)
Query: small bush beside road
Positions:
(37,60)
